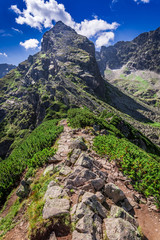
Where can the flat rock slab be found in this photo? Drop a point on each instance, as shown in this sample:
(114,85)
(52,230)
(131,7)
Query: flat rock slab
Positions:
(119,229)
(118,212)
(56,207)
(57,202)
(81,236)
(65,170)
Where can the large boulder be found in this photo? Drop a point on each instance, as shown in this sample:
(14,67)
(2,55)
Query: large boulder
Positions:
(118,212)
(57,202)
(114,192)
(84,161)
(78,144)
(120,229)
(23,190)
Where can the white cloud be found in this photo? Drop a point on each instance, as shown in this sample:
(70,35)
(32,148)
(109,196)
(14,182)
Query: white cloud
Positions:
(104,39)
(31,43)
(3,54)
(92,27)
(41,13)
(16,30)
(143,1)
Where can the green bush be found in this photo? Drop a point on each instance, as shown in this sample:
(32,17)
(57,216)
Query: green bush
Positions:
(33,152)
(138,165)
(82,117)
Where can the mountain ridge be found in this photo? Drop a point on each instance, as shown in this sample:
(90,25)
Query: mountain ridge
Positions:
(141,53)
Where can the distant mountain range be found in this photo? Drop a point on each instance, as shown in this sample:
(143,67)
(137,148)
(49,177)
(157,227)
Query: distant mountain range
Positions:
(5,68)
(143,53)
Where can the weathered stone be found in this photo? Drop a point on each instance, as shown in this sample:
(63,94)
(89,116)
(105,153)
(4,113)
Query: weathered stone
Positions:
(84,161)
(48,169)
(54,159)
(126,205)
(97,228)
(78,144)
(98,184)
(88,187)
(54,192)
(85,224)
(84,176)
(118,212)
(53,236)
(65,170)
(56,207)
(91,200)
(75,155)
(119,229)
(29,181)
(23,190)
(81,236)
(100,197)
(114,192)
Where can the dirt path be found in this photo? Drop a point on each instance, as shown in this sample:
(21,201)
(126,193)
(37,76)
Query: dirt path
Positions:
(148,220)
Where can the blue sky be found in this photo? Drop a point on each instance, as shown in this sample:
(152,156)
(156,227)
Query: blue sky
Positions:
(23,22)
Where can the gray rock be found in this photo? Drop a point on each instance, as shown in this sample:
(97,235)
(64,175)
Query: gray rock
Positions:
(114,192)
(78,144)
(126,205)
(23,190)
(118,212)
(54,159)
(91,200)
(56,207)
(84,176)
(85,224)
(97,227)
(57,202)
(48,169)
(98,184)
(81,236)
(54,192)
(52,236)
(100,197)
(75,155)
(84,161)
(119,229)
(65,170)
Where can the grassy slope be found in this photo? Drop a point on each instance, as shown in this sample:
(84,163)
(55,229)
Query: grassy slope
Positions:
(32,153)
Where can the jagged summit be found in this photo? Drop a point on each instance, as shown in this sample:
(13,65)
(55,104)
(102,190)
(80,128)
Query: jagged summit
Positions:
(140,54)
(64,71)
(64,37)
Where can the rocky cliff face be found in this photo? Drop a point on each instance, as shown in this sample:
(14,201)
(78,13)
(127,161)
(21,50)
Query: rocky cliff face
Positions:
(5,68)
(63,74)
(140,54)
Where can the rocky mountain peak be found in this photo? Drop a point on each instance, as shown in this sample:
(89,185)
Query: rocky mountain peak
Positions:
(64,37)
(140,54)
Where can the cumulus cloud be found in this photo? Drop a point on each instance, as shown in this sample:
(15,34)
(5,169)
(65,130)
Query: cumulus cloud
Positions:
(92,27)
(104,39)
(3,54)
(31,43)
(41,13)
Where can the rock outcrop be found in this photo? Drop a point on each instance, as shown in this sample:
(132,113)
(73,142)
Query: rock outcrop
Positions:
(142,53)
(63,74)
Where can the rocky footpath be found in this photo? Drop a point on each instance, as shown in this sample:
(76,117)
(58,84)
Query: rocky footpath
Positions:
(85,197)
(87,192)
